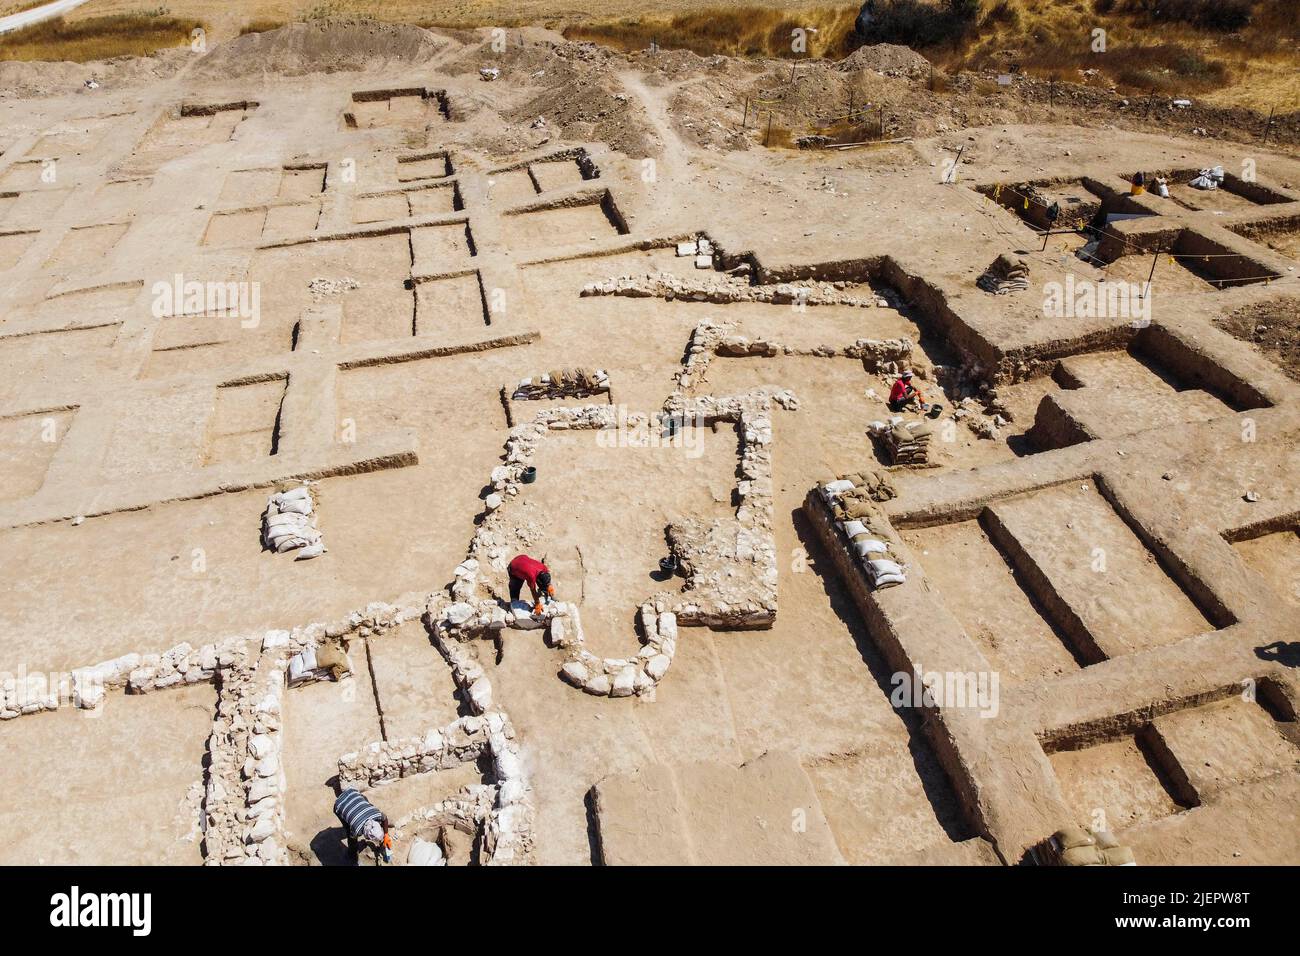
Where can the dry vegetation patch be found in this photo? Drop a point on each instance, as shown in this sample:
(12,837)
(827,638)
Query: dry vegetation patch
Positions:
(98,38)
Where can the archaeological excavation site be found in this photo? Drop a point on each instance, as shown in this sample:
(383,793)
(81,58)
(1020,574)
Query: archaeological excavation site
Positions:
(467,447)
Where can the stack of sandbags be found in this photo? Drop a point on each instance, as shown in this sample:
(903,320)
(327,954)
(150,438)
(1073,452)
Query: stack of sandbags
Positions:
(858,517)
(1208,179)
(874,484)
(569,381)
(288,525)
(316,663)
(1076,846)
(908,443)
(1005,275)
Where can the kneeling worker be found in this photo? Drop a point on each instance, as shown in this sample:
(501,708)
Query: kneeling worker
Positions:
(365,824)
(904,393)
(525,570)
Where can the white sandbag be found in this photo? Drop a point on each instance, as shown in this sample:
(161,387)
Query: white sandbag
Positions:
(869,546)
(888,580)
(290,520)
(300,507)
(294,494)
(854,527)
(832,488)
(302,665)
(425,853)
(314,550)
(884,566)
(287,543)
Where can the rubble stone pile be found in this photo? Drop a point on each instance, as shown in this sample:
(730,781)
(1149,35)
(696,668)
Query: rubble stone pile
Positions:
(726,288)
(709,339)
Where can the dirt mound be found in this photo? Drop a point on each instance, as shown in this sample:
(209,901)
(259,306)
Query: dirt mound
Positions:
(1273,327)
(321,46)
(887,59)
(581,98)
(38,78)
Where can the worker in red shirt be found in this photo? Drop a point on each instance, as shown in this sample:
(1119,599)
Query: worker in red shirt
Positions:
(525,570)
(904,393)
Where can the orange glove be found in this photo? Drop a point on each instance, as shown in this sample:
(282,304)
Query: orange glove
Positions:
(537,609)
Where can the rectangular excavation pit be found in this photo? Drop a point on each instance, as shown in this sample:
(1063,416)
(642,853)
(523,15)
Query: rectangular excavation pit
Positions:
(59,347)
(30,174)
(1079,200)
(1117,393)
(452,304)
(398,204)
(1122,781)
(511,187)
(249,187)
(380,207)
(442,249)
(1102,583)
(302,181)
(27,446)
(95,305)
(240,227)
(32,208)
(979,583)
(435,165)
(1275,556)
(409,107)
(123,197)
(560,173)
(1185,261)
(290,220)
(86,247)
(245,421)
(13,245)
(572,223)
(1233,742)
(1281,235)
(1232,195)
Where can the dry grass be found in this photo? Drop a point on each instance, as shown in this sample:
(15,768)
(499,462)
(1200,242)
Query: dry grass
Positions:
(732,31)
(97,38)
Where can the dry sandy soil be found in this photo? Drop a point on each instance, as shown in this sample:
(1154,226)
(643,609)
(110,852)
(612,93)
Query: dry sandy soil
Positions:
(1106,526)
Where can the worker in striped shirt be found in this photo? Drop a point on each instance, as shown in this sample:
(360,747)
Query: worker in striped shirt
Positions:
(365,824)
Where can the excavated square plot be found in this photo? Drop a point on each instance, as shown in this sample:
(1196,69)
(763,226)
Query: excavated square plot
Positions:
(441,249)
(1118,783)
(551,228)
(983,590)
(1276,558)
(86,247)
(29,174)
(1230,743)
(243,426)
(1121,393)
(380,207)
(27,446)
(1086,557)
(450,305)
(31,208)
(13,245)
(557,174)
(511,187)
(423,166)
(122,787)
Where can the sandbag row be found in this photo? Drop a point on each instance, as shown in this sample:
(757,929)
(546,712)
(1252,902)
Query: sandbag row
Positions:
(853,505)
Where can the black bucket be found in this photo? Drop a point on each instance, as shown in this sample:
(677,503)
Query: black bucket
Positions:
(529,475)
(669,564)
